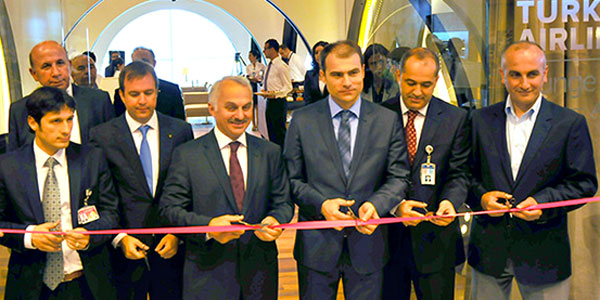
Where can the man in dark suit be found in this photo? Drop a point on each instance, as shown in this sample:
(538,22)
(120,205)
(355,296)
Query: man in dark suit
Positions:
(169,101)
(50,67)
(48,185)
(427,252)
(344,154)
(526,150)
(221,178)
(122,139)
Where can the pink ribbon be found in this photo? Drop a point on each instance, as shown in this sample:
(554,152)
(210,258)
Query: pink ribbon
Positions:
(309,224)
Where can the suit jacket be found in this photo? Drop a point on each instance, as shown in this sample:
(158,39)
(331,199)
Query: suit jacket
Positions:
(379,173)
(20,206)
(168,102)
(93,108)
(312,92)
(139,209)
(436,247)
(198,189)
(558,164)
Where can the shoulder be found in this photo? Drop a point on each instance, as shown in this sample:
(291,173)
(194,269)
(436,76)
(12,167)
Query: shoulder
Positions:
(19,104)
(392,104)
(310,110)
(163,84)
(172,122)
(488,111)
(448,108)
(88,93)
(107,128)
(383,114)
(263,145)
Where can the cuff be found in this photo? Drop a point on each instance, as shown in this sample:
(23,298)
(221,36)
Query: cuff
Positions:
(117,240)
(27,237)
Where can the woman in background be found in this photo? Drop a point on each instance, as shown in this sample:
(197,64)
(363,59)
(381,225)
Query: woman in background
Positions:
(314,89)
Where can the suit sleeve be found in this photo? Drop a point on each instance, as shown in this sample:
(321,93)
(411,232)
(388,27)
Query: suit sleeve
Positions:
(476,189)
(580,172)
(303,194)
(397,178)
(107,108)
(12,241)
(178,109)
(281,206)
(457,181)
(306,94)
(13,128)
(118,105)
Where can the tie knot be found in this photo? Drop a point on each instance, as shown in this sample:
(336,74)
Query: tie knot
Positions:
(144,129)
(50,163)
(345,115)
(412,114)
(234,146)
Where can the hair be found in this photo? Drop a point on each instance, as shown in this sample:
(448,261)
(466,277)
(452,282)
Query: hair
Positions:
(47,99)
(146,49)
(134,70)
(420,54)
(323,44)
(284,46)
(31,52)
(343,49)
(273,44)
(256,54)
(215,90)
(396,55)
(91,55)
(518,45)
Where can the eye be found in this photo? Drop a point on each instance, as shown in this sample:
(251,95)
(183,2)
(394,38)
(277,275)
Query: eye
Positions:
(247,107)
(427,84)
(410,82)
(134,94)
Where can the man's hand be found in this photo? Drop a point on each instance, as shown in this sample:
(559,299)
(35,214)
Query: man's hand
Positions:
(489,201)
(225,220)
(168,246)
(77,241)
(47,242)
(331,210)
(446,208)
(528,215)
(406,211)
(367,212)
(267,234)
(133,248)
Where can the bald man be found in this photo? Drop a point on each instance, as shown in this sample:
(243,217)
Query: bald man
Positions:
(526,150)
(49,66)
(83,71)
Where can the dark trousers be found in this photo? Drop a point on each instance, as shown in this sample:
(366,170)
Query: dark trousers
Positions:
(164,280)
(77,289)
(324,285)
(276,114)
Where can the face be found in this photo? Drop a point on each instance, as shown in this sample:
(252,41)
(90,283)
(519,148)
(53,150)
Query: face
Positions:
(139,97)
(79,71)
(251,57)
(54,130)
(50,65)
(233,110)
(143,55)
(377,64)
(318,54)
(114,56)
(524,73)
(344,78)
(269,52)
(418,82)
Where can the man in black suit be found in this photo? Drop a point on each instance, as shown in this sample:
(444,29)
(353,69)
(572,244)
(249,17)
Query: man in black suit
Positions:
(427,252)
(526,150)
(50,67)
(221,178)
(169,101)
(344,154)
(122,139)
(52,184)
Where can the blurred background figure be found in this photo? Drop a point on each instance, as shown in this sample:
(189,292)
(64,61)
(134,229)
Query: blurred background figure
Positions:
(314,89)
(379,83)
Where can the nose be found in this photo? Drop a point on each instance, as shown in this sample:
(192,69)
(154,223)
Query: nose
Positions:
(418,91)
(239,114)
(525,84)
(55,71)
(66,127)
(346,81)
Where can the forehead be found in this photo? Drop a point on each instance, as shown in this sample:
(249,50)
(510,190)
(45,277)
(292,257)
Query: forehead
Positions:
(64,112)
(83,60)
(233,92)
(523,59)
(48,52)
(139,83)
(336,63)
(419,67)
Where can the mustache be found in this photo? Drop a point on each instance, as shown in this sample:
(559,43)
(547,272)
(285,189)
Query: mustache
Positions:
(239,121)
(416,97)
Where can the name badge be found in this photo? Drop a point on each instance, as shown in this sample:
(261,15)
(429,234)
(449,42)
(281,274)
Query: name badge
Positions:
(428,168)
(88,213)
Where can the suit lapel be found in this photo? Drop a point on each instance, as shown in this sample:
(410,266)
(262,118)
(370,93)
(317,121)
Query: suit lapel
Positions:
(254,159)
(213,153)
(28,178)
(122,133)
(542,126)
(498,125)
(429,130)
(362,135)
(165,145)
(328,136)
(74,169)
(82,114)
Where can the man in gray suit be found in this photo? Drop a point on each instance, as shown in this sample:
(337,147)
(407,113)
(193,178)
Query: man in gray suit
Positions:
(344,155)
(221,178)
(51,67)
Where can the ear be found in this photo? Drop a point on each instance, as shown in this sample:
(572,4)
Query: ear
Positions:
(122,95)
(212,110)
(32,123)
(502,75)
(33,74)
(321,75)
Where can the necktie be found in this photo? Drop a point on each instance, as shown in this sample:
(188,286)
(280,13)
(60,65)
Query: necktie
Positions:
(411,135)
(267,76)
(146,156)
(53,271)
(343,139)
(236,177)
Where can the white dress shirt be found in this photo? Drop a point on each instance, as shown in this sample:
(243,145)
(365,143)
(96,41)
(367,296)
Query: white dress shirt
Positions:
(518,131)
(71,259)
(256,71)
(279,80)
(75,132)
(242,152)
(334,109)
(419,119)
(297,70)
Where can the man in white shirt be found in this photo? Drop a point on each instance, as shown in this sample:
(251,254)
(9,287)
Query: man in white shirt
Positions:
(224,177)
(276,85)
(297,69)
(54,185)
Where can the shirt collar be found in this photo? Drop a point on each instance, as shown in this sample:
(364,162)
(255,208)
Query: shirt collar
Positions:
(422,111)
(335,108)
(69,90)
(532,112)
(41,157)
(278,57)
(135,125)
(223,140)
